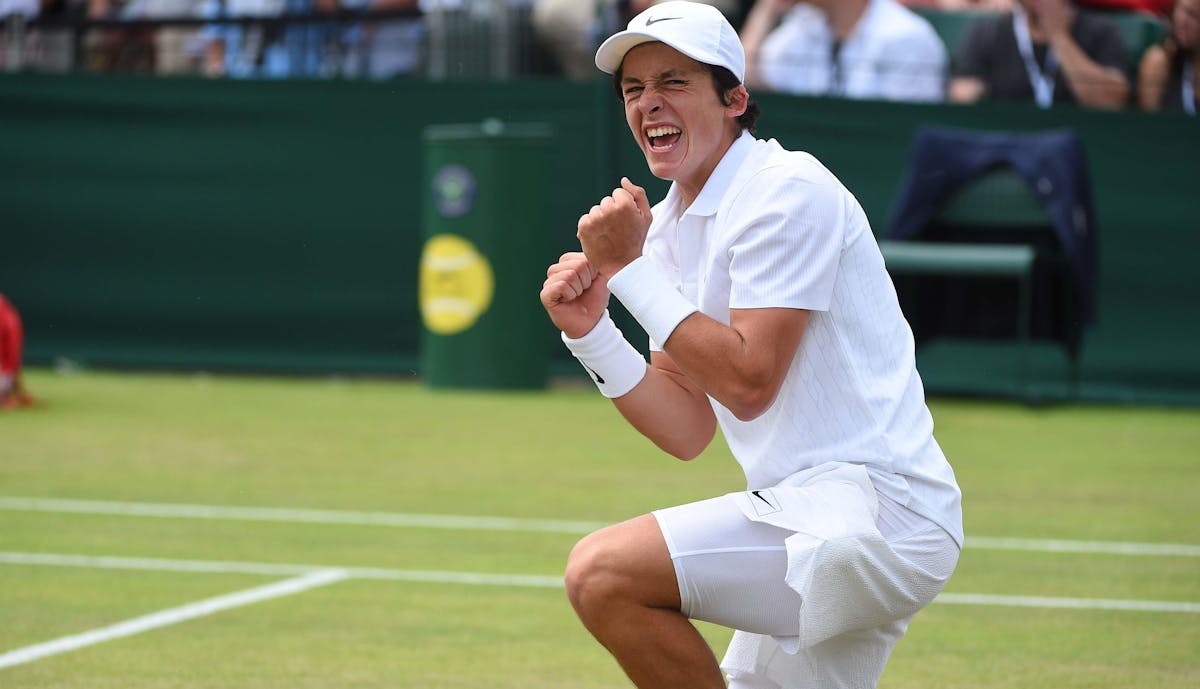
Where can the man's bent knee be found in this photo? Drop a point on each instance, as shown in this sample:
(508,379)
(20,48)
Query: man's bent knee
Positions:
(623,564)
(588,579)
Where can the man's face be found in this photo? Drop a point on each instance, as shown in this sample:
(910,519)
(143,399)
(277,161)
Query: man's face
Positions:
(675,114)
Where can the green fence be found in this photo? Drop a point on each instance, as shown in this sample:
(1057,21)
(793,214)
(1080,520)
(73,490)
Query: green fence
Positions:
(276,226)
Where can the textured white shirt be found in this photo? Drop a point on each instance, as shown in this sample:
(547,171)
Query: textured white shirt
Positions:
(775,228)
(892,54)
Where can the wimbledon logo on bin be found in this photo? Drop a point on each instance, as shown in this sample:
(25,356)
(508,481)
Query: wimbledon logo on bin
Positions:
(455,284)
(454,190)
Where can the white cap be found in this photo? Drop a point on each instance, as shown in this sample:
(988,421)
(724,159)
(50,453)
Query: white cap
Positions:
(697,30)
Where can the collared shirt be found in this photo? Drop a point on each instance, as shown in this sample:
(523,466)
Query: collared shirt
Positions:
(775,228)
(892,54)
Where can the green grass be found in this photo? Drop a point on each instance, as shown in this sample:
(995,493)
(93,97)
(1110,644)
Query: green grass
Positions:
(1081,473)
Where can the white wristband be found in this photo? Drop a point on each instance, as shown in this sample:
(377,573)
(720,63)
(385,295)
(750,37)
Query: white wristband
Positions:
(612,362)
(651,299)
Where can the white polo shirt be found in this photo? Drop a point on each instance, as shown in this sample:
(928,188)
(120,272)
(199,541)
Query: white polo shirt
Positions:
(892,54)
(775,228)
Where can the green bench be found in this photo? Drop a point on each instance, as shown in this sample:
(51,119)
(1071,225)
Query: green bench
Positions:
(1013,261)
(997,198)
(947,258)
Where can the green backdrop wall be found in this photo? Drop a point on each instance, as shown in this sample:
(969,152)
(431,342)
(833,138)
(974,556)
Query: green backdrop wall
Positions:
(276,226)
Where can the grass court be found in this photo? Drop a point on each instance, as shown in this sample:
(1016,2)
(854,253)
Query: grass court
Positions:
(192,531)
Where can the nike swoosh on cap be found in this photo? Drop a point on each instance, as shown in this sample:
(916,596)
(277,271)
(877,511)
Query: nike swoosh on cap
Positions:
(660,19)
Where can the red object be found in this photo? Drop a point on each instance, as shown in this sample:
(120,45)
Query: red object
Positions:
(1158,7)
(12,337)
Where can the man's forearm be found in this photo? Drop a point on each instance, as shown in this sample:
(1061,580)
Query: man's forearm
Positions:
(669,410)
(741,365)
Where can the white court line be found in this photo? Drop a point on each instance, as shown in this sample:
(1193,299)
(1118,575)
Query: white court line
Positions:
(225,567)
(532,581)
(277,514)
(1076,603)
(171,616)
(156,564)
(284,514)
(1091,547)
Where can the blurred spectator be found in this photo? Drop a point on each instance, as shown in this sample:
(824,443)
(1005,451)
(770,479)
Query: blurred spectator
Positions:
(172,44)
(852,48)
(448,38)
(961,5)
(25,8)
(571,30)
(1045,52)
(118,49)
(51,49)
(1167,73)
(451,38)
(236,50)
(14,15)
(1158,7)
(386,48)
(269,50)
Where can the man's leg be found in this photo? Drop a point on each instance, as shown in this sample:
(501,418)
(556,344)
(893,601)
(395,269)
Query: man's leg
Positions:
(622,584)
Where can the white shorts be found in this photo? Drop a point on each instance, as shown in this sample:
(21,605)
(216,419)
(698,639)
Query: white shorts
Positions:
(826,614)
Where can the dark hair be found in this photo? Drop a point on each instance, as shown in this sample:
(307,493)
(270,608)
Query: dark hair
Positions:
(723,81)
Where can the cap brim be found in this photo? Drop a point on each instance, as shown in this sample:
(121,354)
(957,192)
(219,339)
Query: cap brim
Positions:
(612,51)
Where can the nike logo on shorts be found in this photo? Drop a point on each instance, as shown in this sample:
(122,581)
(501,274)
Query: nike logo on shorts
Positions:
(769,504)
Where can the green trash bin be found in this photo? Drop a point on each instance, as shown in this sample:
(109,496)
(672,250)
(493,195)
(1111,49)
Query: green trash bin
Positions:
(486,188)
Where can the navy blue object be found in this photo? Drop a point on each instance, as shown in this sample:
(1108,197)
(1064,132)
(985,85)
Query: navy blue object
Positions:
(1052,163)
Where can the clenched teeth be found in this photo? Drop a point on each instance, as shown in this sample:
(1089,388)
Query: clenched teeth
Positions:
(663,131)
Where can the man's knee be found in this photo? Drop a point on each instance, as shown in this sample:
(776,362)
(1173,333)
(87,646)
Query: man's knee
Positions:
(593,576)
(623,564)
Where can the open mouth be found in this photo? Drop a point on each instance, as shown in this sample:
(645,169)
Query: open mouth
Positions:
(663,138)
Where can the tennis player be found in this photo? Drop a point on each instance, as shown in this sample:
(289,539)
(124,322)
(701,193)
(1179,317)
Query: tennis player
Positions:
(770,315)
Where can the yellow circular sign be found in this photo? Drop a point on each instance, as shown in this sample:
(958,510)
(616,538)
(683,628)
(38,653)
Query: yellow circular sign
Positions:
(455,284)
